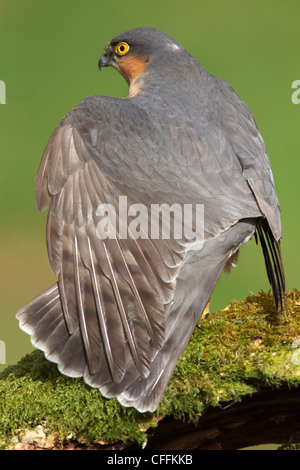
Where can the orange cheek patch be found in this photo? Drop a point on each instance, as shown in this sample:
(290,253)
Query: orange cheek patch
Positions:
(132,67)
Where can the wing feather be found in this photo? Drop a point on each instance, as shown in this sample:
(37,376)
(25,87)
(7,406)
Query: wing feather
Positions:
(115,349)
(115,290)
(66,281)
(117,304)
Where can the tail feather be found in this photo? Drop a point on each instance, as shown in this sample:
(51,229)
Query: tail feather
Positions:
(273,261)
(44,320)
(198,278)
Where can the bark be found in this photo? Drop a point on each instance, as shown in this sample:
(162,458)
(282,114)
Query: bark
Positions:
(268,417)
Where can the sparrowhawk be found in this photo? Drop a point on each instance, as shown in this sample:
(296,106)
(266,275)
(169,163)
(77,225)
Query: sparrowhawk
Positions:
(124,308)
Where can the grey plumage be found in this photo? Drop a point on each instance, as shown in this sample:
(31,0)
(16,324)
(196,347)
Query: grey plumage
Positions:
(123,310)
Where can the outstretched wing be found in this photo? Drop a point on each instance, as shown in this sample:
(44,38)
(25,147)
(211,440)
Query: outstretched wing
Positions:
(113,289)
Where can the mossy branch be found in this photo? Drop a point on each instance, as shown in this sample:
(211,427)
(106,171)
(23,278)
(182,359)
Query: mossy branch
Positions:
(235,354)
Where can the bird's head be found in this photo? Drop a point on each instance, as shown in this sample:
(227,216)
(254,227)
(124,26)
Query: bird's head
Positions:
(133,52)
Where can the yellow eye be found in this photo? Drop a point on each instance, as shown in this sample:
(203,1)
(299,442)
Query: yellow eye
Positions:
(122,48)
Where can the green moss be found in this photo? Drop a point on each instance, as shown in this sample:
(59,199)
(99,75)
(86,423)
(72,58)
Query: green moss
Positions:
(239,351)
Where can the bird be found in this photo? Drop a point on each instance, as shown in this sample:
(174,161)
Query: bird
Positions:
(124,307)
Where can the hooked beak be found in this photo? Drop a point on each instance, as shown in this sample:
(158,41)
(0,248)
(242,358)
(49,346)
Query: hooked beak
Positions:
(104,61)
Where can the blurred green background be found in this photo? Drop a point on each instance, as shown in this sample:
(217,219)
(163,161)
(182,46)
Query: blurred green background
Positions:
(48,61)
